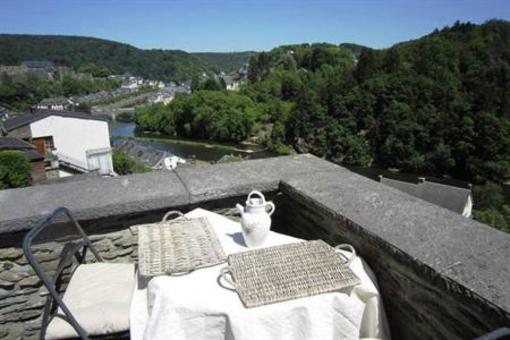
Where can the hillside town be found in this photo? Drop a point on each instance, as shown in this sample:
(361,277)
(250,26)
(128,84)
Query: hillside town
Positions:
(69,136)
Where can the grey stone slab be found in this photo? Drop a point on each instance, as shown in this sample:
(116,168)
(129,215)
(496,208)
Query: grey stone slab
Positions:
(469,252)
(233,179)
(91,199)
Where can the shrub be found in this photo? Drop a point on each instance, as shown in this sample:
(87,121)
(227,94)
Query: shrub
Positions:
(489,195)
(14,170)
(494,218)
(125,165)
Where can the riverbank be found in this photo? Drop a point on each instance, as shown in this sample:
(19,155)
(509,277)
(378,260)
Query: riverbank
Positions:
(245,148)
(201,150)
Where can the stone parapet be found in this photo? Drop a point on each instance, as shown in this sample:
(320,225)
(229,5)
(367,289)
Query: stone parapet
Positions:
(441,275)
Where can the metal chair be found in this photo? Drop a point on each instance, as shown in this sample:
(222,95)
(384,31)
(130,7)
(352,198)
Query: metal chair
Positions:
(72,313)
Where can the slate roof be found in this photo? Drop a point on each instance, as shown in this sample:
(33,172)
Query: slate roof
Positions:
(449,197)
(9,143)
(446,196)
(409,188)
(27,118)
(149,156)
(229,80)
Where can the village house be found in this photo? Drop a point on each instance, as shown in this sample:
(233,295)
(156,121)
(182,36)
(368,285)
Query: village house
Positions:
(167,94)
(78,141)
(36,159)
(43,69)
(230,83)
(155,83)
(161,97)
(154,159)
(459,200)
(56,104)
(132,83)
(234,81)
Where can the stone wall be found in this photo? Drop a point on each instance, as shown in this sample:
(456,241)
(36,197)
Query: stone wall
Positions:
(422,298)
(419,302)
(22,295)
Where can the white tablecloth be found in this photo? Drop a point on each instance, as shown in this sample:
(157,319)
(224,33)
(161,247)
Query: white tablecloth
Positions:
(195,306)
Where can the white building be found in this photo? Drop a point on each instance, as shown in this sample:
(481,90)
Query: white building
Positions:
(130,85)
(167,94)
(232,83)
(161,97)
(80,141)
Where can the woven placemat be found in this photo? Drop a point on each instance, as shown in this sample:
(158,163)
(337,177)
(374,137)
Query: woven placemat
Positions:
(287,272)
(177,246)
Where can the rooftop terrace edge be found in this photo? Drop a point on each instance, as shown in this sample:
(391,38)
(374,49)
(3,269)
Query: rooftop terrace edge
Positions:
(465,251)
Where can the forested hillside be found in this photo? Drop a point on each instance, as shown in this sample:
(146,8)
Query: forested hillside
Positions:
(74,51)
(225,61)
(439,104)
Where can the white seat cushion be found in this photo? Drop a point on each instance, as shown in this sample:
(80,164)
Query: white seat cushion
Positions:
(99,297)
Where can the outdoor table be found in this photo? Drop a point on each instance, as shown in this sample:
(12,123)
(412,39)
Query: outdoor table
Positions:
(199,305)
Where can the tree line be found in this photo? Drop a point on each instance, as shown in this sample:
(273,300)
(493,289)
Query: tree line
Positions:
(73,51)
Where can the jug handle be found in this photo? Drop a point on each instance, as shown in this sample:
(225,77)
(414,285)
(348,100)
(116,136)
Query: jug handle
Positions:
(347,247)
(255,192)
(226,274)
(271,204)
(173,212)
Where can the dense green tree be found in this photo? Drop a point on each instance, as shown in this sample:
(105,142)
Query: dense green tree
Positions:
(125,165)
(211,84)
(489,195)
(94,70)
(217,115)
(493,217)
(14,170)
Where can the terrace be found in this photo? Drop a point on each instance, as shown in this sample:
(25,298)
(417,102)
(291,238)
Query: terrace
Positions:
(440,275)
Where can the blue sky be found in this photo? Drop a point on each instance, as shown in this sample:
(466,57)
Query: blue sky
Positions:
(228,25)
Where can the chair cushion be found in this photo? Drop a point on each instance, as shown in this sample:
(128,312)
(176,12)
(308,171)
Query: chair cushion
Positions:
(99,297)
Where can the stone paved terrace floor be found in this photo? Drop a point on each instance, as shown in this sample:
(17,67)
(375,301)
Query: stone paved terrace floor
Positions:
(441,275)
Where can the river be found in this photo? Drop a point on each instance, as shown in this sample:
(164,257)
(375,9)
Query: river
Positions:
(211,152)
(186,148)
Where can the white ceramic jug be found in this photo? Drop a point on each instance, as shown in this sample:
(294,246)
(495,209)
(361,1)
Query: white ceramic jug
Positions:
(256,220)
